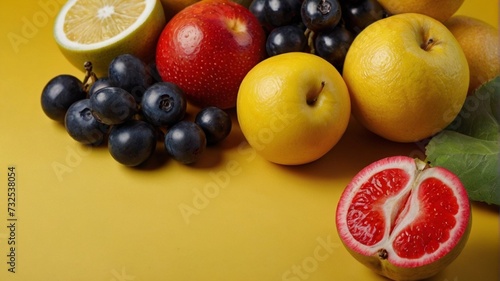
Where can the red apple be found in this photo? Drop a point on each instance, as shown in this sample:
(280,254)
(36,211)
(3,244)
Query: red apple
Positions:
(208,48)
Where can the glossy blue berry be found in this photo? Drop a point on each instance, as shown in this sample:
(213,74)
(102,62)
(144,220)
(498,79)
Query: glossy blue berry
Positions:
(113,105)
(215,123)
(132,142)
(185,142)
(59,94)
(82,126)
(164,104)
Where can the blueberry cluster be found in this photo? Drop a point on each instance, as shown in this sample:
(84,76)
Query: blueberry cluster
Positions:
(323,27)
(131,111)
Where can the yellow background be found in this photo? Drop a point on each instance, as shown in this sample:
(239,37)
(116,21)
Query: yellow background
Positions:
(83,216)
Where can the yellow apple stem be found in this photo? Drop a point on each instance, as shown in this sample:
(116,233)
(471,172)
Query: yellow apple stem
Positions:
(428,44)
(312,96)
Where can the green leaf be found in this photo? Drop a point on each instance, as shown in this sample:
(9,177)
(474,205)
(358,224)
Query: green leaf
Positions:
(480,114)
(474,161)
(470,145)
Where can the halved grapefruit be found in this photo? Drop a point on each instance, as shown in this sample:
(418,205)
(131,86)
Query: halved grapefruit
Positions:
(403,219)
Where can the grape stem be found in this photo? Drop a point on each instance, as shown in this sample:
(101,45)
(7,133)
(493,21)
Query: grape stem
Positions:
(310,39)
(90,76)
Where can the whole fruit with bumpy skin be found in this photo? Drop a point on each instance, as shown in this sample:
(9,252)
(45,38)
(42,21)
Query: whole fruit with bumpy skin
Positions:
(414,77)
(441,10)
(481,45)
(293,108)
(403,219)
(207,49)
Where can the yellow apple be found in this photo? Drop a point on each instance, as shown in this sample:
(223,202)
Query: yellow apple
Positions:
(408,77)
(293,108)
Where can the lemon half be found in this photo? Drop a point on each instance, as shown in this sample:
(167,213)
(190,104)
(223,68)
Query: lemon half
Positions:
(99,30)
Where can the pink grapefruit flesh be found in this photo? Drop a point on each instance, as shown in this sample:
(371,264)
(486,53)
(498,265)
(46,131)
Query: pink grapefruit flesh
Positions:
(403,219)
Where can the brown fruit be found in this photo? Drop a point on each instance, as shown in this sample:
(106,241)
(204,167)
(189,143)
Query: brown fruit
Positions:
(438,9)
(480,43)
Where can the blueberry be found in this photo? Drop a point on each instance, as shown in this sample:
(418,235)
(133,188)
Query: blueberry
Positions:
(321,14)
(113,105)
(82,126)
(130,73)
(258,9)
(132,142)
(215,123)
(360,14)
(59,94)
(282,12)
(164,104)
(101,83)
(284,39)
(332,45)
(185,142)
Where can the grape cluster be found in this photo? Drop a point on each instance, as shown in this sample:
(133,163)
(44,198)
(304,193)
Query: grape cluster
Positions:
(323,27)
(132,110)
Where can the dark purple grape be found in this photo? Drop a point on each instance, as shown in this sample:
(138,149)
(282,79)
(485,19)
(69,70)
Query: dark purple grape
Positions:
(132,142)
(82,126)
(113,105)
(321,14)
(285,39)
(101,83)
(59,94)
(359,15)
(130,74)
(164,104)
(282,12)
(332,45)
(185,142)
(215,122)
(257,8)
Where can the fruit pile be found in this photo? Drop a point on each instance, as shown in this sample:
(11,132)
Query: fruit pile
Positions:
(415,75)
(132,110)
(325,27)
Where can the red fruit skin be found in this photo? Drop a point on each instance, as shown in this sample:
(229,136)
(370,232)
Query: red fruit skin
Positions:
(208,48)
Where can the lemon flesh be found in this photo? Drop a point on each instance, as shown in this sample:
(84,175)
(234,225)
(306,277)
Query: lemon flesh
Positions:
(100,30)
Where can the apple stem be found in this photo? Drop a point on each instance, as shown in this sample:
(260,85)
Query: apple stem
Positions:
(428,44)
(89,75)
(313,97)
